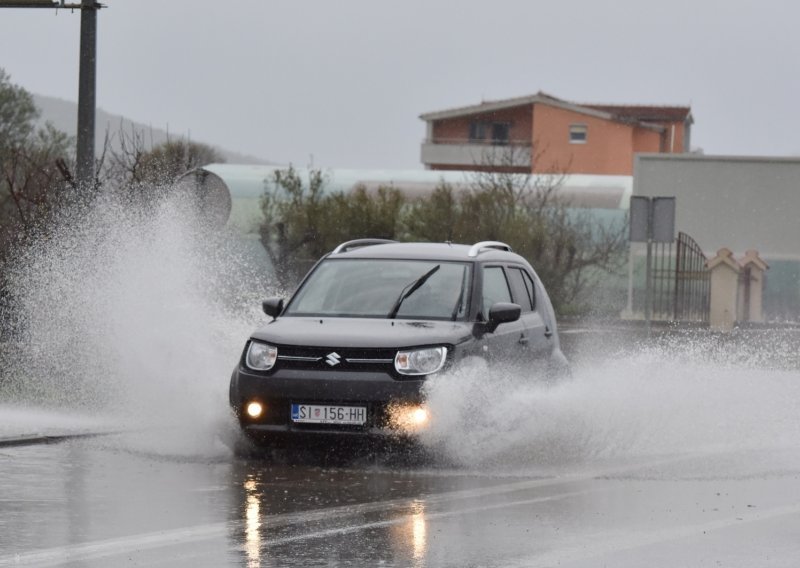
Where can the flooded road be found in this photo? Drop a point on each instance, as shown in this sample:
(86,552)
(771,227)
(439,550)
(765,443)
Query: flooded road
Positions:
(105,502)
(682,450)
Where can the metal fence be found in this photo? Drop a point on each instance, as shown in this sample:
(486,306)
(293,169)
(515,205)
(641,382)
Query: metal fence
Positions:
(692,281)
(662,278)
(680,281)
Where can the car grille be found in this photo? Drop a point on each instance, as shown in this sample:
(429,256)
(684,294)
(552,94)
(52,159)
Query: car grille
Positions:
(335,358)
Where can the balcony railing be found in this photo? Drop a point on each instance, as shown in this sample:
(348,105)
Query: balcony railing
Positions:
(474,142)
(465,152)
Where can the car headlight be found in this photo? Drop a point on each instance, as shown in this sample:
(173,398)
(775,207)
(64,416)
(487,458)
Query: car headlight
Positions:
(260,356)
(409,418)
(420,361)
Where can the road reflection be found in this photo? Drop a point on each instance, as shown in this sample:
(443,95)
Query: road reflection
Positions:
(411,536)
(300,515)
(252,522)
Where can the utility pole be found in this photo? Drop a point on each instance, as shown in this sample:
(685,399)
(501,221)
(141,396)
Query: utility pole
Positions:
(87,81)
(86,77)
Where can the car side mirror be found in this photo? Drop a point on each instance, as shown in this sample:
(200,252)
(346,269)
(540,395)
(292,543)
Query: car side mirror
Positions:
(502,312)
(272,307)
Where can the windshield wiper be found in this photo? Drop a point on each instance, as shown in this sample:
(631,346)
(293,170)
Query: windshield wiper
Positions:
(409,289)
(460,301)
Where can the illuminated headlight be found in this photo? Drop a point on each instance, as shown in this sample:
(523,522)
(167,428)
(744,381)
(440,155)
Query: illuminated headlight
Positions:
(420,361)
(260,356)
(409,418)
(254,409)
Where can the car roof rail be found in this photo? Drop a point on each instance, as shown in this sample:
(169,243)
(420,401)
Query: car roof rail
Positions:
(478,247)
(357,243)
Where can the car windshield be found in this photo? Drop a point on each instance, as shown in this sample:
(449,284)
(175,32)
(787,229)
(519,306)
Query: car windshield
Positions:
(369,288)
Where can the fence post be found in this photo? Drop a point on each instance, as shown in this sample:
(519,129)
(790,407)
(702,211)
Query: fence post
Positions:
(753,268)
(724,290)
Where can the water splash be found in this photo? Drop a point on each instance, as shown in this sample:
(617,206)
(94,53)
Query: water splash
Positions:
(683,394)
(137,314)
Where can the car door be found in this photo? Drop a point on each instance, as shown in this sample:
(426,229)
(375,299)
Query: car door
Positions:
(506,342)
(537,338)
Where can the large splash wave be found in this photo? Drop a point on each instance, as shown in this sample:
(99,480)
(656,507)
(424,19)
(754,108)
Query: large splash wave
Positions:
(134,313)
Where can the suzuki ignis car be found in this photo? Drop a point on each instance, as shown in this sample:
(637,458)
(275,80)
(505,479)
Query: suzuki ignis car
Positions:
(349,353)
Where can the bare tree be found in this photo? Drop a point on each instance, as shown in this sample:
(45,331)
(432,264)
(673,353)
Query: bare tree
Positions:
(32,160)
(32,184)
(129,162)
(567,245)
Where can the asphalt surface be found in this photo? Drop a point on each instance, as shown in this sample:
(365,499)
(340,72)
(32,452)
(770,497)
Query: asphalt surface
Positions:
(152,497)
(107,502)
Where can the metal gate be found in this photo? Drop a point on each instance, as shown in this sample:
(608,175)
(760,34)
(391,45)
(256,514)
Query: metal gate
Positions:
(680,281)
(692,281)
(662,278)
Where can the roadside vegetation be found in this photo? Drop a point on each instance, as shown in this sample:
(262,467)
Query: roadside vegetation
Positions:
(37,184)
(568,248)
(37,164)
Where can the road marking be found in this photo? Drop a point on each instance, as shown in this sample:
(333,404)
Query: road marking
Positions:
(428,517)
(137,543)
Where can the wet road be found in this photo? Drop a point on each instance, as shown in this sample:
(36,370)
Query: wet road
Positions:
(686,454)
(105,502)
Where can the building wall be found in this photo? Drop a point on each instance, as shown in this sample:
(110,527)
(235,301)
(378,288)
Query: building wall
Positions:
(740,203)
(647,141)
(724,201)
(675,137)
(608,149)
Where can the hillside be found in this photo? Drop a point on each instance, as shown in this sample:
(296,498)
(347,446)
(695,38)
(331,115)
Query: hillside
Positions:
(63,115)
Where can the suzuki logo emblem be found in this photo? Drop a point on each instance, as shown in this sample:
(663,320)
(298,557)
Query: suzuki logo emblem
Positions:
(333,359)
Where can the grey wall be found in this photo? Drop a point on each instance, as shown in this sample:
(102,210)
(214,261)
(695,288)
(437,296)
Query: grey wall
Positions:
(726,201)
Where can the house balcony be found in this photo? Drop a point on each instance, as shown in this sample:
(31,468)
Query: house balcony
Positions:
(510,153)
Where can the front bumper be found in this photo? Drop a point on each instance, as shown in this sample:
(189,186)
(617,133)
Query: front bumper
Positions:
(379,392)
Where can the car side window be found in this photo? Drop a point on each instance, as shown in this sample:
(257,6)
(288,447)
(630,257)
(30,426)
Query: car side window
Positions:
(523,289)
(495,288)
(531,287)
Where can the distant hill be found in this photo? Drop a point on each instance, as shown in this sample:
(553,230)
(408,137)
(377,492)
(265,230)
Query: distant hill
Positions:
(64,116)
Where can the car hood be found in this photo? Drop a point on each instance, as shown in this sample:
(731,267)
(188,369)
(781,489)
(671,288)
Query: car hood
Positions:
(359,332)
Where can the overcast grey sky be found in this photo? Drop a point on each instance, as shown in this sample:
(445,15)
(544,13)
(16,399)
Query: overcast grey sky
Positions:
(345,81)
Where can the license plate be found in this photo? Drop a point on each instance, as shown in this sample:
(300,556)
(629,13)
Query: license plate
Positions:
(329,414)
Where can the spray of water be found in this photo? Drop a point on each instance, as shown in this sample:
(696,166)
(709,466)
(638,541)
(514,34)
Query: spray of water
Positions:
(686,393)
(137,314)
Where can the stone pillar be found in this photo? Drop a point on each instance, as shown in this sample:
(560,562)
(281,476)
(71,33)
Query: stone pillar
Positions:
(752,286)
(724,290)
